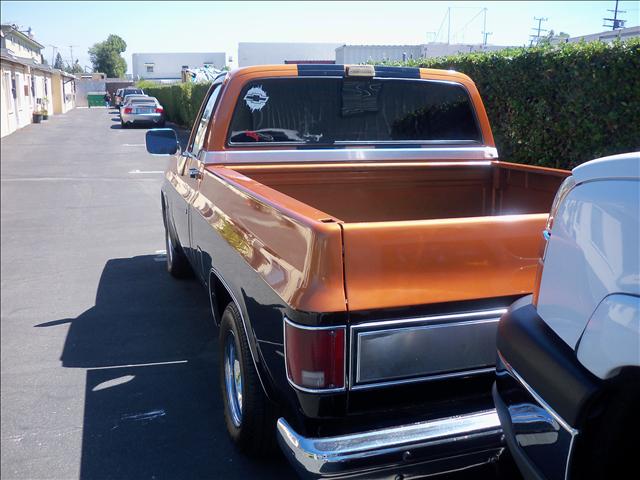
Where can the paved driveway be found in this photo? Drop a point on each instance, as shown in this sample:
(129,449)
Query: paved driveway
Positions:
(108,365)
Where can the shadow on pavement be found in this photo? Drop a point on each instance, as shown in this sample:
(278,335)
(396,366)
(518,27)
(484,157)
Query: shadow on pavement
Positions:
(152,403)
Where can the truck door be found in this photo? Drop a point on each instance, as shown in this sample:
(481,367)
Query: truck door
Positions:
(190,174)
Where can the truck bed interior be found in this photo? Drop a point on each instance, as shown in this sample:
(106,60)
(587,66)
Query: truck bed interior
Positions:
(403,192)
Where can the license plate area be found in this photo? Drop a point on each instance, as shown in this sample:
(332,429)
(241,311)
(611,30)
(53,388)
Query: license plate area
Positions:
(425,348)
(142,111)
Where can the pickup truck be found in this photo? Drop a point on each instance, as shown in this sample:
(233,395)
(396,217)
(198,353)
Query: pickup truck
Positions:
(359,240)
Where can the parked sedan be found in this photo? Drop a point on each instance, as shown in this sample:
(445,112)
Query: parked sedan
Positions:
(141,109)
(568,377)
(123,92)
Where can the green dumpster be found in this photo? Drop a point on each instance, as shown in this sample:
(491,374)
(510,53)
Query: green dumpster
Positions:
(95,99)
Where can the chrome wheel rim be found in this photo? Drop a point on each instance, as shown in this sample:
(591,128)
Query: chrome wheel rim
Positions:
(233,380)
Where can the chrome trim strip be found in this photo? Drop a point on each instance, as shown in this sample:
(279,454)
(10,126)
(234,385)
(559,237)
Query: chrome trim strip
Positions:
(335,455)
(344,365)
(350,155)
(244,323)
(428,378)
(572,431)
(432,318)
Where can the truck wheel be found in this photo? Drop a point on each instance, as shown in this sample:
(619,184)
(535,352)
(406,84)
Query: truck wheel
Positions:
(177,262)
(248,413)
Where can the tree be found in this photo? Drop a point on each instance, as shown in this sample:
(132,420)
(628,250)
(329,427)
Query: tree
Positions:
(552,39)
(58,64)
(75,68)
(105,57)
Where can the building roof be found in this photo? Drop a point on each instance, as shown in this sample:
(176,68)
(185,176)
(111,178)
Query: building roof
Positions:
(27,38)
(7,56)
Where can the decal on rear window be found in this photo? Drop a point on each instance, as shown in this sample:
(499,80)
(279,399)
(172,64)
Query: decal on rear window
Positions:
(256,98)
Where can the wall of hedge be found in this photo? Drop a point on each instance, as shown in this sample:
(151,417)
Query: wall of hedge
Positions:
(557,106)
(181,101)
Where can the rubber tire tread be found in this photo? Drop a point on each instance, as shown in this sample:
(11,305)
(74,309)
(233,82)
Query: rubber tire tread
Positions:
(256,436)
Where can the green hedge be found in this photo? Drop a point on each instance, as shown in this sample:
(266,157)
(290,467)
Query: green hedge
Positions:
(181,101)
(557,106)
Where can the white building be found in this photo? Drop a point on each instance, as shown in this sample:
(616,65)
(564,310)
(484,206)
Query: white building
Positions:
(26,84)
(258,53)
(608,36)
(169,66)
(347,54)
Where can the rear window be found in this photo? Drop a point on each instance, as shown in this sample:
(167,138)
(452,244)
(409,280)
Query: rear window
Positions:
(132,91)
(334,111)
(143,100)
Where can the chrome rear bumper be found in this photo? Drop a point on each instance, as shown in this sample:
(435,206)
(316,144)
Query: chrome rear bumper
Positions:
(422,448)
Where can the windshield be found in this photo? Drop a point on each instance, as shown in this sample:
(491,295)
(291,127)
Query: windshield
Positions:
(332,111)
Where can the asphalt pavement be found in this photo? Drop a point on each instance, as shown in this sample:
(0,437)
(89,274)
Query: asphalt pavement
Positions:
(108,365)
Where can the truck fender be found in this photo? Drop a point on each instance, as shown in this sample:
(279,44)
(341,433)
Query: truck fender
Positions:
(217,307)
(611,339)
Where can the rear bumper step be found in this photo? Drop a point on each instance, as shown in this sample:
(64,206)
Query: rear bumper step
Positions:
(424,448)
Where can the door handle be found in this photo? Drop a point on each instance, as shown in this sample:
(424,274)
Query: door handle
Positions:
(194,173)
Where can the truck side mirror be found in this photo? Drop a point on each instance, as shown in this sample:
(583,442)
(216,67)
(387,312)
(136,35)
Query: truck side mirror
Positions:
(162,141)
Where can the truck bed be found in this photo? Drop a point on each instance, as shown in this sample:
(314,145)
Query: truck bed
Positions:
(392,192)
(417,233)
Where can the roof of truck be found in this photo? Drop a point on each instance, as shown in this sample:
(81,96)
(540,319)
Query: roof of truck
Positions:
(625,165)
(338,70)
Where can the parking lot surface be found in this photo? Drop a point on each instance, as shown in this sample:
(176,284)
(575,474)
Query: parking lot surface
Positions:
(108,365)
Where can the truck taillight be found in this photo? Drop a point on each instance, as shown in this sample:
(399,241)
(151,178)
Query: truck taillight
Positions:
(315,356)
(563,191)
(159,110)
(128,110)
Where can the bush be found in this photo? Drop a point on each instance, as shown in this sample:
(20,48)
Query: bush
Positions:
(181,101)
(557,106)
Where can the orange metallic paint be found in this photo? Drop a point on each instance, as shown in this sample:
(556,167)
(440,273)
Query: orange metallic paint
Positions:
(298,249)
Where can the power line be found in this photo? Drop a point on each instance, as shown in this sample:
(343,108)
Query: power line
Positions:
(616,23)
(536,38)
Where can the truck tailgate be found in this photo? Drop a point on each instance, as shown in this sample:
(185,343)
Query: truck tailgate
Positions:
(392,264)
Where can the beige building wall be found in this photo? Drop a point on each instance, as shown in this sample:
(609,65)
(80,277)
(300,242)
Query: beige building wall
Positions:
(17,102)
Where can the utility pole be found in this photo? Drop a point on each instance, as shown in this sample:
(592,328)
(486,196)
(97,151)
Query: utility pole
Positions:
(53,53)
(539,29)
(616,23)
(485,34)
(448,25)
(71,50)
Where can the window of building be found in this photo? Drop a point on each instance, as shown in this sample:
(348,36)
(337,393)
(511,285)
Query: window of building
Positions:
(149,67)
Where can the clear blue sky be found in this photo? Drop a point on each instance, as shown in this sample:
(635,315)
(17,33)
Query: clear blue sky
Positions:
(219,26)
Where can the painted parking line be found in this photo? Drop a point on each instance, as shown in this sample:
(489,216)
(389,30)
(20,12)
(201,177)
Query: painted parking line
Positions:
(138,172)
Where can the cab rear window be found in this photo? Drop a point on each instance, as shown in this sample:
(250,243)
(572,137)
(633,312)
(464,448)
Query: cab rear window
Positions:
(334,111)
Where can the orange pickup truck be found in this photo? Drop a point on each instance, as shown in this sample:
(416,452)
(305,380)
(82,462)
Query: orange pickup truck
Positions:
(359,239)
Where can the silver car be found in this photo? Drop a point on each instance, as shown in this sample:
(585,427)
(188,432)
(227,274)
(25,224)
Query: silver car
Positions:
(141,109)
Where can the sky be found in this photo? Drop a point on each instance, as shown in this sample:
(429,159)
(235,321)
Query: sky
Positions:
(164,26)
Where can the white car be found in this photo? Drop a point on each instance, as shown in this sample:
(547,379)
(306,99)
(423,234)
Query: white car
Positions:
(568,378)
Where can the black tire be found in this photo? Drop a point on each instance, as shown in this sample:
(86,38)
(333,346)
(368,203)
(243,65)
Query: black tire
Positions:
(177,262)
(609,444)
(255,433)
(123,125)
